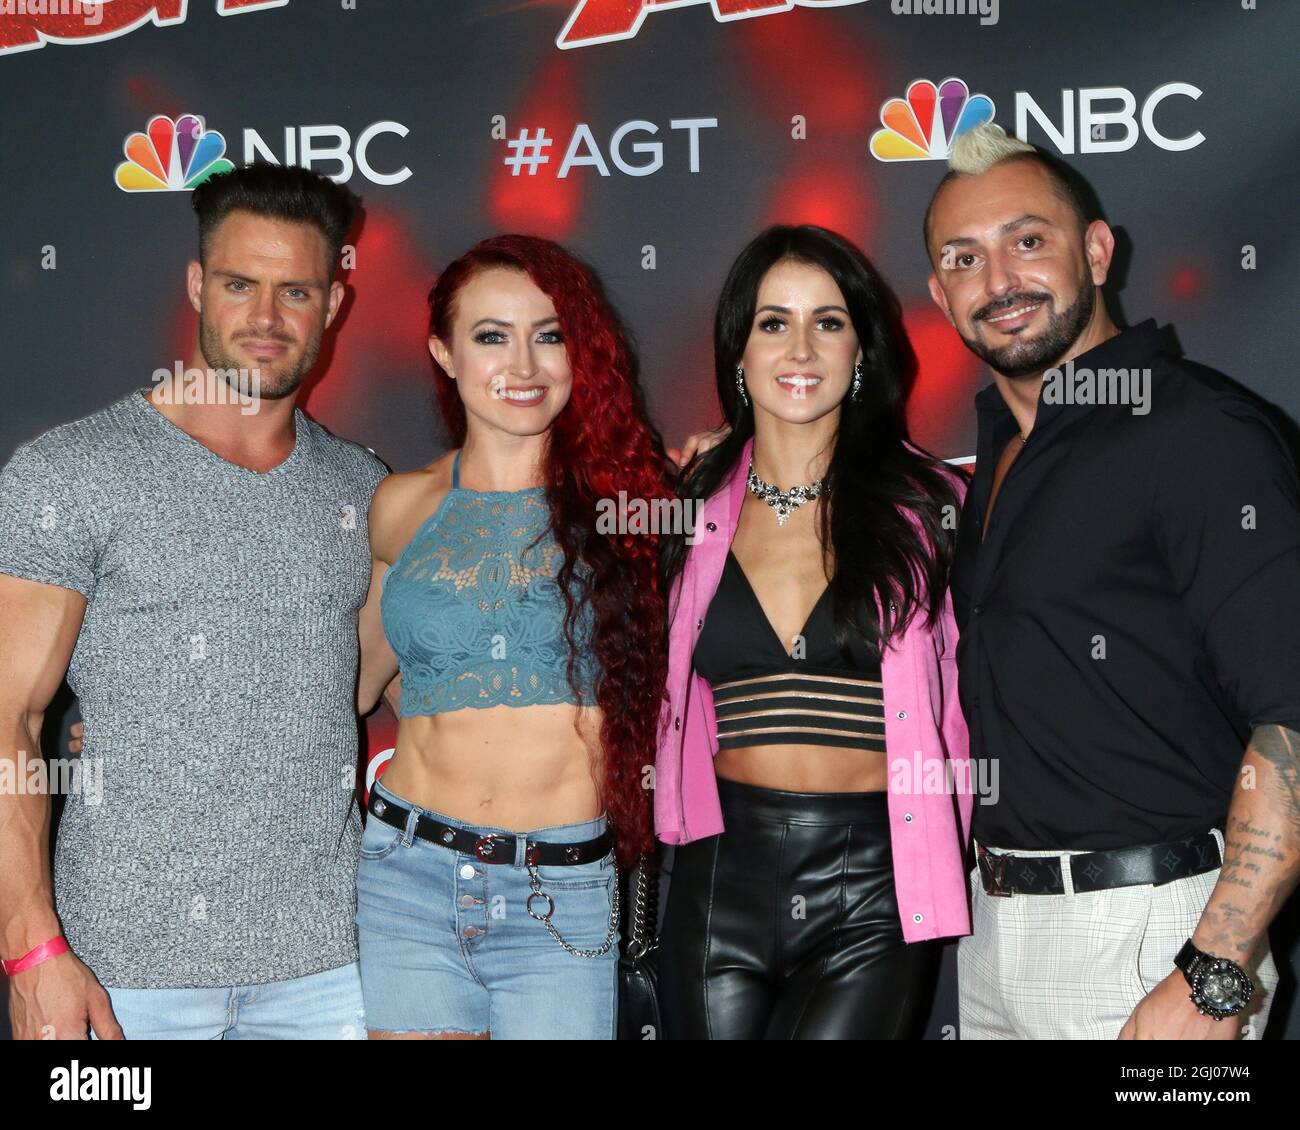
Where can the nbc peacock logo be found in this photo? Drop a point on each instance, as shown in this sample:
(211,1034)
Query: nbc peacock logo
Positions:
(923,125)
(171,156)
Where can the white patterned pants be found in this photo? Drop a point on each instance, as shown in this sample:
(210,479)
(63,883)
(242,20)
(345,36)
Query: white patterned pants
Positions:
(1074,966)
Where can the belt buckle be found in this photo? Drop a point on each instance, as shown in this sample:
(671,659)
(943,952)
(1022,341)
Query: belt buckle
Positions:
(485,847)
(997,871)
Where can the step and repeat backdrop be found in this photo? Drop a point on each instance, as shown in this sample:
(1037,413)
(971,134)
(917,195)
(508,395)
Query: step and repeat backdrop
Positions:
(655,138)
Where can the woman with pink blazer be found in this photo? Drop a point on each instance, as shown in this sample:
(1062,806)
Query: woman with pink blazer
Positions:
(812,766)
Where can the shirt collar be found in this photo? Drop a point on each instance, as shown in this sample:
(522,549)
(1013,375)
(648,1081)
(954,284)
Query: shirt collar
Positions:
(1129,348)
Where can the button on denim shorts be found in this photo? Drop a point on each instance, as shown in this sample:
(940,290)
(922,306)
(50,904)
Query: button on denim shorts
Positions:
(447,943)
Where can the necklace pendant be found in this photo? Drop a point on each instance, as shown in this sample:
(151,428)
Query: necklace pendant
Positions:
(783,502)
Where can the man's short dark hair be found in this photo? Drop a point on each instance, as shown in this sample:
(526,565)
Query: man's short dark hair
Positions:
(278,192)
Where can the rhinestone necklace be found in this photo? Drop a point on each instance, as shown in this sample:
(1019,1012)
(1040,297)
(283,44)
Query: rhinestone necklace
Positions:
(784,502)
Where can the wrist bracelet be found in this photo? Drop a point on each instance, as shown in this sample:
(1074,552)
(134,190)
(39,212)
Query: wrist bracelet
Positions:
(35,956)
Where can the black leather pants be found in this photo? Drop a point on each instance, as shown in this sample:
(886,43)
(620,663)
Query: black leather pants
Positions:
(786,926)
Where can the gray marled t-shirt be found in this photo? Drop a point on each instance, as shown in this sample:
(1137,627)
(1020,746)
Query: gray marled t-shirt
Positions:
(216,672)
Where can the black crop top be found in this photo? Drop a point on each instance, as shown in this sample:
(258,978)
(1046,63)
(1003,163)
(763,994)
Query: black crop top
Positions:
(763,696)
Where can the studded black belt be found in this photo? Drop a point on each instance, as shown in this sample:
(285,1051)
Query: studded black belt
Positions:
(1005,873)
(494,848)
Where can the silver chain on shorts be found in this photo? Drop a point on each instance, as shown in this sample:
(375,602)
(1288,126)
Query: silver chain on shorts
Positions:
(535,881)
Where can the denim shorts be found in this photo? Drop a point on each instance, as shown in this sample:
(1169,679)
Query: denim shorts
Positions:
(447,943)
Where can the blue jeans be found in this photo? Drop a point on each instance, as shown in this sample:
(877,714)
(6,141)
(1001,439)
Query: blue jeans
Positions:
(320,1006)
(447,943)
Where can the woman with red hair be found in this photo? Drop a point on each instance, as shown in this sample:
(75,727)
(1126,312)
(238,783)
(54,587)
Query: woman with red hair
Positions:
(532,656)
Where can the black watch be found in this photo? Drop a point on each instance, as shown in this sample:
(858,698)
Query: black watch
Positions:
(1219,987)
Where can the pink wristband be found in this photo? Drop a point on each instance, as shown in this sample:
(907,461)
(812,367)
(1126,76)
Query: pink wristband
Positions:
(52,948)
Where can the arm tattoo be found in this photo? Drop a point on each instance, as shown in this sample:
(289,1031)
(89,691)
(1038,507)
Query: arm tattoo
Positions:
(1280,747)
(1260,860)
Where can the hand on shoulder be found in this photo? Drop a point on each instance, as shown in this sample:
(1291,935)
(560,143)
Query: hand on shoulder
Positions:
(697,443)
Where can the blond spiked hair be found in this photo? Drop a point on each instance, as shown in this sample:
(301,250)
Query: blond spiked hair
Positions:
(979,149)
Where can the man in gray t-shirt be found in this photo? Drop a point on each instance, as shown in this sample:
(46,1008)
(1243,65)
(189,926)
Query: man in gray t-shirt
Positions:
(194,559)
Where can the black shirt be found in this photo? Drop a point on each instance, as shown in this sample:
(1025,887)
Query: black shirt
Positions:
(1134,610)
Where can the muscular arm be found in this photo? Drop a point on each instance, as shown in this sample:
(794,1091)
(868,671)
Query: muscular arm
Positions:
(39,624)
(38,630)
(1261,862)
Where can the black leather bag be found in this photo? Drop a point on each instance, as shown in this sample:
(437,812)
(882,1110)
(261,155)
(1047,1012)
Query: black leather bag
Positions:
(638,980)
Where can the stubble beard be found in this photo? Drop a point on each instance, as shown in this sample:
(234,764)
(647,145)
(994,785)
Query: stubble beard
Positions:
(271,384)
(1020,358)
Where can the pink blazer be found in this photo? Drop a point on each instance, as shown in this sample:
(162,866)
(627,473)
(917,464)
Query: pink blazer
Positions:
(926,743)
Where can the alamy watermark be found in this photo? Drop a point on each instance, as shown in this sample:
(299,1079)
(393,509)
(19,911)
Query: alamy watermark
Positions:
(975,776)
(92,14)
(102,1084)
(987,10)
(37,776)
(179,385)
(662,516)
(1082,385)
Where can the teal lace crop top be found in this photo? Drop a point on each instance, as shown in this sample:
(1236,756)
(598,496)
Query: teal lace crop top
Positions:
(473,612)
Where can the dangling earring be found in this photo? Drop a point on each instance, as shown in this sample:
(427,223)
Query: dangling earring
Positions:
(740,386)
(856,387)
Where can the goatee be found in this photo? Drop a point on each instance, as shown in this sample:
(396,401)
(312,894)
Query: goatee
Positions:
(1019,358)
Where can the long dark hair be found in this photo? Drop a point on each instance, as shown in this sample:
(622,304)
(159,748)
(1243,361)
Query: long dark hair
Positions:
(601,443)
(874,478)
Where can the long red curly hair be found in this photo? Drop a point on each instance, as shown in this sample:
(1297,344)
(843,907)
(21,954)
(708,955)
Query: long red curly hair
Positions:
(601,442)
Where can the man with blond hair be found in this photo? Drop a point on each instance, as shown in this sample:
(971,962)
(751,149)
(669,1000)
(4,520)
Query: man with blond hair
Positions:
(1126,577)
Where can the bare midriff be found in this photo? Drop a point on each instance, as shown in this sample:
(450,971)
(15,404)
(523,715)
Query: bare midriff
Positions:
(519,768)
(804,768)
